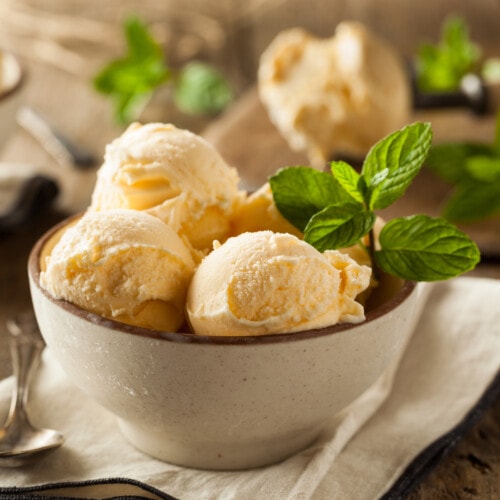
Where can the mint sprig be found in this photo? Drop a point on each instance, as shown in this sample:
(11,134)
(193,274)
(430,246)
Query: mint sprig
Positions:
(130,81)
(473,170)
(441,67)
(338,210)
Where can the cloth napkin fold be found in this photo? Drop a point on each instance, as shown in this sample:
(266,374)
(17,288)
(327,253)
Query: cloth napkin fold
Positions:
(387,437)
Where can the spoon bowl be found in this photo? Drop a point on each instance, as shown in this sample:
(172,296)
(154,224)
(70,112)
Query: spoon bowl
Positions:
(20,441)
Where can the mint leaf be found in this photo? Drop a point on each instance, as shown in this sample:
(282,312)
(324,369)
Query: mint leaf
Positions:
(300,192)
(140,42)
(391,165)
(483,168)
(348,178)
(338,226)
(131,79)
(423,248)
(449,160)
(473,200)
(201,89)
(474,171)
(441,67)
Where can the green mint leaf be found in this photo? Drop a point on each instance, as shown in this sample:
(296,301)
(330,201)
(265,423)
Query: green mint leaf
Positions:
(348,178)
(338,226)
(300,192)
(423,248)
(441,67)
(128,105)
(391,165)
(449,160)
(130,80)
(433,73)
(472,201)
(132,76)
(201,89)
(458,46)
(483,168)
(140,42)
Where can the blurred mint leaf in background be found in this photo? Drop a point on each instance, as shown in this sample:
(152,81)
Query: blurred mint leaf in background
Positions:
(473,171)
(131,80)
(440,67)
(200,89)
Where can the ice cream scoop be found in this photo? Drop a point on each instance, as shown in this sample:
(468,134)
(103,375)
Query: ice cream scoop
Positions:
(172,174)
(335,96)
(264,283)
(122,264)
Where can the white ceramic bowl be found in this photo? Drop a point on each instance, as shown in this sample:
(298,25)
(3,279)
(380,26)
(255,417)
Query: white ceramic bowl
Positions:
(221,402)
(12,79)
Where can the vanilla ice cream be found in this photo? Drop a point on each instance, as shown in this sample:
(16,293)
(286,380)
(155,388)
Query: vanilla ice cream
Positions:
(258,212)
(122,264)
(264,282)
(335,96)
(172,174)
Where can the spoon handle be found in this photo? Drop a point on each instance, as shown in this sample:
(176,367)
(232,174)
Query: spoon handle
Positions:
(26,345)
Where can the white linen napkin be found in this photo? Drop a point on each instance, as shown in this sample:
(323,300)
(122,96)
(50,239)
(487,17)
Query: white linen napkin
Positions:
(386,436)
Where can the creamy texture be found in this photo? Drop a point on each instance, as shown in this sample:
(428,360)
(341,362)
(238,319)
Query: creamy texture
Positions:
(334,96)
(264,282)
(172,174)
(258,212)
(122,264)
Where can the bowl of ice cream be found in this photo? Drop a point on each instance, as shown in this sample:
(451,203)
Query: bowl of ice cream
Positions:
(226,357)
(11,85)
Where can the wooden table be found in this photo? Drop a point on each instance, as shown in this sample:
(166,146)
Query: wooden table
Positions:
(472,470)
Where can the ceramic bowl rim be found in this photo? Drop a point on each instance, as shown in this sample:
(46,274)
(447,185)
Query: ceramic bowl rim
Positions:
(185,337)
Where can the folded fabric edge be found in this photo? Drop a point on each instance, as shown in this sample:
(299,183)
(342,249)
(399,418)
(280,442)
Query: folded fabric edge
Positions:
(93,488)
(424,463)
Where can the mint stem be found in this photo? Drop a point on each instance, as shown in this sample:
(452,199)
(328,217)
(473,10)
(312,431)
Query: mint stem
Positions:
(371,250)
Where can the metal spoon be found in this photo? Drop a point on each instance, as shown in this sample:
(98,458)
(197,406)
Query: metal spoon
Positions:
(62,148)
(20,441)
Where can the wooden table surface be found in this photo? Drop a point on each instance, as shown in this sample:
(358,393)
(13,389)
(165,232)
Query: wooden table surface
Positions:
(471,470)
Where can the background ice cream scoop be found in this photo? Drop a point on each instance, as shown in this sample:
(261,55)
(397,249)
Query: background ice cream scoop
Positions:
(334,96)
(264,282)
(172,174)
(123,264)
